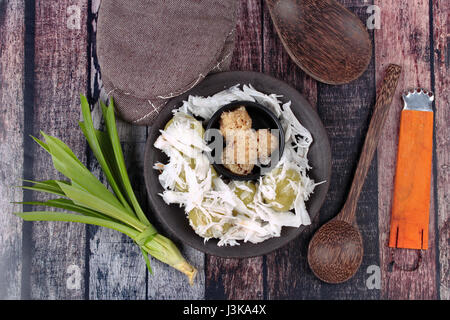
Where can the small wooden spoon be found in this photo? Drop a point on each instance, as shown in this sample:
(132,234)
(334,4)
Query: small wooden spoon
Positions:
(323,38)
(336,249)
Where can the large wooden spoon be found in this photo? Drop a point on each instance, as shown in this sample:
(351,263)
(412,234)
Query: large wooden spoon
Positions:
(323,38)
(336,249)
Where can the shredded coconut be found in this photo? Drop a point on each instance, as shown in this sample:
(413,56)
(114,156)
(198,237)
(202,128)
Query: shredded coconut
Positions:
(190,181)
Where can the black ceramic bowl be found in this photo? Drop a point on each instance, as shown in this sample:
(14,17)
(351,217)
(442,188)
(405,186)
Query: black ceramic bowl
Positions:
(172,220)
(262,118)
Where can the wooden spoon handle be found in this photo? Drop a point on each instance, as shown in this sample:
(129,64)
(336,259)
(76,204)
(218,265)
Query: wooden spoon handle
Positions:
(385,95)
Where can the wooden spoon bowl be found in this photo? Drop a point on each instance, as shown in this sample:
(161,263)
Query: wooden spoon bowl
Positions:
(335,252)
(323,38)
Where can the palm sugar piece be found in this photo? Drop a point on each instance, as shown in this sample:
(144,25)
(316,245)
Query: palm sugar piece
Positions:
(267,143)
(238,119)
(237,168)
(240,155)
(245,143)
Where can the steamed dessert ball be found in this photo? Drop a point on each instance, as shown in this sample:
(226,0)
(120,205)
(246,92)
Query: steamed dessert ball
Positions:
(286,188)
(267,143)
(199,220)
(245,191)
(197,128)
(213,173)
(194,123)
(235,120)
(181,185)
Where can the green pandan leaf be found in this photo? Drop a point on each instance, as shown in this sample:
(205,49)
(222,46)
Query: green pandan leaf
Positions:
(118,154)
(69,217)
(91,200)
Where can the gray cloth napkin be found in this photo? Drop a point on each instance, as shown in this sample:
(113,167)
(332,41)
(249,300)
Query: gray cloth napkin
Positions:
(150,51)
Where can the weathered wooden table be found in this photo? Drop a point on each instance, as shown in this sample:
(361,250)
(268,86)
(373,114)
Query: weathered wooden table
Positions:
(47,57)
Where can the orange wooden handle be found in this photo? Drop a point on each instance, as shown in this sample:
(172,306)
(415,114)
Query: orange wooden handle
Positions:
(411,204)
